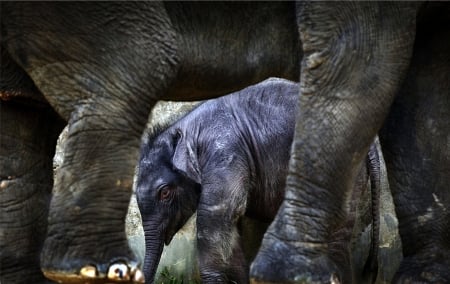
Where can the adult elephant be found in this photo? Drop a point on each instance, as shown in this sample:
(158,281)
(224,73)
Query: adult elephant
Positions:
(102,66)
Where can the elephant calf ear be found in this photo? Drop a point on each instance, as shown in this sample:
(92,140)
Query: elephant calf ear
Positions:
(185,160)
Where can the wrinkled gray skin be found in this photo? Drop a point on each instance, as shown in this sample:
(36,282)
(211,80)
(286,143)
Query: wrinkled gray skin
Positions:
(227,158)
(101,67)
(366,67)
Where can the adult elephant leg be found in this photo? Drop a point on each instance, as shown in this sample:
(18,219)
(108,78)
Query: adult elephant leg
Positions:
(355,57)
(105,89)
(28,135)
(86,236)
(416,144)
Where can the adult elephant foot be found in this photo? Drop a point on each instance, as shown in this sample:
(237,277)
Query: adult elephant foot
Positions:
(422,269)
(86,240)
(285,258)
(118,272)
(280,262)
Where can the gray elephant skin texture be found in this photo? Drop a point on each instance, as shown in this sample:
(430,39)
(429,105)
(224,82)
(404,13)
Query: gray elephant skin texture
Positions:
(225,159)
(363,67)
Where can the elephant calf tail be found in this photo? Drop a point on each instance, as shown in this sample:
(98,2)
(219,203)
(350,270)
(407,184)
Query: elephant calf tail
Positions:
(370,271)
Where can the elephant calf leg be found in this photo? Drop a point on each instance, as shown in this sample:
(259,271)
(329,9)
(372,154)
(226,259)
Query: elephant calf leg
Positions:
(222,204)
(221,258)
(28,137)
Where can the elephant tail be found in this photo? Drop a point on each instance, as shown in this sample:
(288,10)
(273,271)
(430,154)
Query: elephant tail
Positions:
(374,171)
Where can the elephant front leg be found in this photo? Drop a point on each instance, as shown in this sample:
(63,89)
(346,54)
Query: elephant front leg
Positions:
(102,71)
(355,56)
(220,255)
(28,134)
(86,239)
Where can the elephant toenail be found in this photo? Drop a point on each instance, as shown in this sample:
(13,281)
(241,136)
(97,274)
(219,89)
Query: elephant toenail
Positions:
(138,276)
(89,271)
(118,271)
(334,279)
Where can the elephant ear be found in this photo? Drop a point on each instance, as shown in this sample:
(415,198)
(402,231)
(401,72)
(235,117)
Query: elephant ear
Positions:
(185,159)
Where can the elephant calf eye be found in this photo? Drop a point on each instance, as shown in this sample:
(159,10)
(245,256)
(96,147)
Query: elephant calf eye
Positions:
(165,193)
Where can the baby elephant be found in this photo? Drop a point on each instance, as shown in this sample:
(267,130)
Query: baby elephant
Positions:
(225,159)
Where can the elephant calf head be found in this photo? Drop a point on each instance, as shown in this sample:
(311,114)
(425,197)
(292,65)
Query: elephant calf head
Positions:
(166,197)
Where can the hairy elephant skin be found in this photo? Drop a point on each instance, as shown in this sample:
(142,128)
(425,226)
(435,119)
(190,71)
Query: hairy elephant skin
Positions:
(101,67)
(225,159)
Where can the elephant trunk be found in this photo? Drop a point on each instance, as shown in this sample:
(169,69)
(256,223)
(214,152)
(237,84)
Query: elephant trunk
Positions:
(154,244)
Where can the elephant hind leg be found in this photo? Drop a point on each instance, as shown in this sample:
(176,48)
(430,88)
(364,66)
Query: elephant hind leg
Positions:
(28,135)
(416,145)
